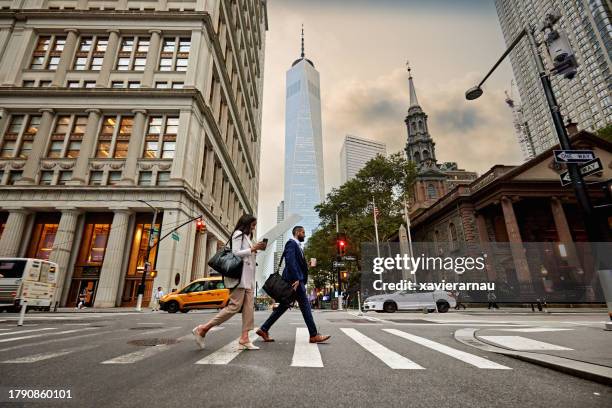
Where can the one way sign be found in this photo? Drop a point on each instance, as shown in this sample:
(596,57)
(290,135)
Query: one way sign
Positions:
(573,156)
(586,169)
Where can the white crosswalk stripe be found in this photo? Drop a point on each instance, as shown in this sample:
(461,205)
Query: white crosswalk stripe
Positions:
(46,356)
(138,355)
(61,339)
(226,353)
(449,351)
(305,354)
(387,356)
(26,331)
(520,343)
(536,329)
(45,334)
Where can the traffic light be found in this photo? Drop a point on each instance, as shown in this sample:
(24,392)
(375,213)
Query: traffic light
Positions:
(341,244)
(344,276)
(200,226)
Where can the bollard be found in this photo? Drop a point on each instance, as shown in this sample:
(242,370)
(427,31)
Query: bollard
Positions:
(360,313)
(22,312)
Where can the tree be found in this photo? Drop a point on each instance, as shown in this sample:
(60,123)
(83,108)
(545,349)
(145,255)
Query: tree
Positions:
(605,133)
(388,180)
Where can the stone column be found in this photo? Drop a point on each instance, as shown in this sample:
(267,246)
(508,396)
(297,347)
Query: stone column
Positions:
(62,246)
(199,256)
(518,252)
(110,274)
(109,59)
(12,236)
(130,169)
(38,149)
(152,58)
(194,58)
(564,233)
(483,236)
(208,172)
(79,173)
(66,58)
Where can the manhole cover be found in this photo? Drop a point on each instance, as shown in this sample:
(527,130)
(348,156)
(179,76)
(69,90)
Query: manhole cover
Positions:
(145,327)
(152,342)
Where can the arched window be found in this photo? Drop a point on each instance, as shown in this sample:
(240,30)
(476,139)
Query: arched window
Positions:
(420,125)
(413,127)
(431,191)
(417,157)
(425,154)
(452,234)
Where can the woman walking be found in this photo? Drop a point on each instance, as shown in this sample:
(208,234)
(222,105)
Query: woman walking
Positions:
(242,291)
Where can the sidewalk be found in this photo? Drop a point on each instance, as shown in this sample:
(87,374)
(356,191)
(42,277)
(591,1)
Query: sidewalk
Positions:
(527,311)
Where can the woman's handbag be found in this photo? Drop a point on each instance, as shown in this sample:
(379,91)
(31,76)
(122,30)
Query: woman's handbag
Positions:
(226,262)
(278,288)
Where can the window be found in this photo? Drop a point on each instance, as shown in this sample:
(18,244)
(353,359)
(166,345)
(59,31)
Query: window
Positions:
(29,133)
(114,177)
(14,176)
(177,85)
(163,177)
(134,84)
(89,84)
(28,84)
(46,178)
(161,85)
(44,84)
(117,84)
(452,233)
(58,137)
(47,52)
(117,129)
(174,54)
(133,54)
(17,134)
(95,178)
(431,191)
(72,84)
(161,131)
(64,177)
(144,178)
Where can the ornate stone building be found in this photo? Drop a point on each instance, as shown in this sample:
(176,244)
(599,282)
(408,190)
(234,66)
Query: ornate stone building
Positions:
(107,106)
(433,179)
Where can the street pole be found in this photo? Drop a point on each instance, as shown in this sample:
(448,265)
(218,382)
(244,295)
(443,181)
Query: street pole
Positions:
(338,268)
(409,237)
(375,227)
(147,265)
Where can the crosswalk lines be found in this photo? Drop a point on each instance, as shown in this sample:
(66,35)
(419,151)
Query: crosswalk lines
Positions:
(522,343)
(25,331)
(387,356)
(304,353)
(449,351)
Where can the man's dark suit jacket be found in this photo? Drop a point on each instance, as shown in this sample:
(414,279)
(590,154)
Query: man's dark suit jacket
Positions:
(296,267)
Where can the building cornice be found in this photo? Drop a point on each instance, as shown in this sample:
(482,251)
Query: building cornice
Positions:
(22,15)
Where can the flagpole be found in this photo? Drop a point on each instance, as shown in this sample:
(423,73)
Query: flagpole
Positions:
(409,236)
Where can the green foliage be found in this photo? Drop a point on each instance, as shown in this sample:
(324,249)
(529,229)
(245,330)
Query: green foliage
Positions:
(388,180)
(606,133)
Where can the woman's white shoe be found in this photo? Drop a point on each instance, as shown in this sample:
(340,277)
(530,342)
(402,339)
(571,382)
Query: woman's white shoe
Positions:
(198,339)
(247,346)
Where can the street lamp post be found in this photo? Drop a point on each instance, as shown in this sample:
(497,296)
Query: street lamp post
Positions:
(147,264)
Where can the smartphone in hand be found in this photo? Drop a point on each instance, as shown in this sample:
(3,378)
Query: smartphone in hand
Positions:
(265,241)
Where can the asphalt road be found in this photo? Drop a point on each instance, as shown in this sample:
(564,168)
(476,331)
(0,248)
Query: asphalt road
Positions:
(108,360)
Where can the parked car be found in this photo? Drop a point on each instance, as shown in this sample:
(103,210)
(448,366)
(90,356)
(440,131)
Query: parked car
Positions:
(410,300)
(205,293)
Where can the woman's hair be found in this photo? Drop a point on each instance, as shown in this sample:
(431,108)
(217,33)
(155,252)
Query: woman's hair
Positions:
(244,224)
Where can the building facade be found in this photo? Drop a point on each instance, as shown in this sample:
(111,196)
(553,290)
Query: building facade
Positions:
(110,107)
(355,153)
(280,242)
(304,187)
(587,98)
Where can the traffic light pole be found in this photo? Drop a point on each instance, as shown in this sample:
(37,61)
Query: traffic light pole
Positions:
(147,264)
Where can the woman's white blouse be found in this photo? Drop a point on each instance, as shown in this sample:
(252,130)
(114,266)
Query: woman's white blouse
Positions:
(241,246)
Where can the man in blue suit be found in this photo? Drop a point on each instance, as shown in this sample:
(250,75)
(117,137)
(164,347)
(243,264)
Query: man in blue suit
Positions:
(296,273)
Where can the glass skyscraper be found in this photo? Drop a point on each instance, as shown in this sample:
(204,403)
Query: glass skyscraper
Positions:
(586,99)
(303,143)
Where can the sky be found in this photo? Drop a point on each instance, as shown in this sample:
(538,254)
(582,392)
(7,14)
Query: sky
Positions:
(360,48)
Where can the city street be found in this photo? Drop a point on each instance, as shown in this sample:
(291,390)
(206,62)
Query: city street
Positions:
(128,359)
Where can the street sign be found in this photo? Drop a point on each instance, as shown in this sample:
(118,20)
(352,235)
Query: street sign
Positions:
(338,264)
(586,169)
(175,236)
(573,156)
(348,258)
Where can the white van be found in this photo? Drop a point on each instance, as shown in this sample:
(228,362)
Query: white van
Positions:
(36,276)
(410,300)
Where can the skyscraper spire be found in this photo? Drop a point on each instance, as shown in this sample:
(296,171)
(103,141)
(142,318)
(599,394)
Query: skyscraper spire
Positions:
(413,97)
(302,55)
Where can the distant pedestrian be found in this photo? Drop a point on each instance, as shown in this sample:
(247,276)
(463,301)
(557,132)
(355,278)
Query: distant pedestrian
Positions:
(492,300)
(82,299)
(459,304)
(157,295)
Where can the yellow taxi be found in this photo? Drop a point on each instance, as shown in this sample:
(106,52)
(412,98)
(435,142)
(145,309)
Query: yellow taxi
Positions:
(205,293)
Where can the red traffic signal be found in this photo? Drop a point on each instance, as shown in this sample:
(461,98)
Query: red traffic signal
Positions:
(341,244)
(200,226)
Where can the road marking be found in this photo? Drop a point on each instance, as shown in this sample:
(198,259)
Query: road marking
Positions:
(139,355)
(45,356)
(25,331)
(387,356)
(305,354)
(522,343)
(226,353)
(535,329)
(48,341)
(45,334)
(449,351)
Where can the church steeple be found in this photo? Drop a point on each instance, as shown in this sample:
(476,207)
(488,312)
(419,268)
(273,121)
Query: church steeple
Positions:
(420,147)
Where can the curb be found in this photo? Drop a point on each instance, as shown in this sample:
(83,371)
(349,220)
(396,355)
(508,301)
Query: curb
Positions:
(580,369)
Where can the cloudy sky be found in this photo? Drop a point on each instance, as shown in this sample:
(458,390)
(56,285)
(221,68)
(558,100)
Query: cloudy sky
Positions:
(360,48)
